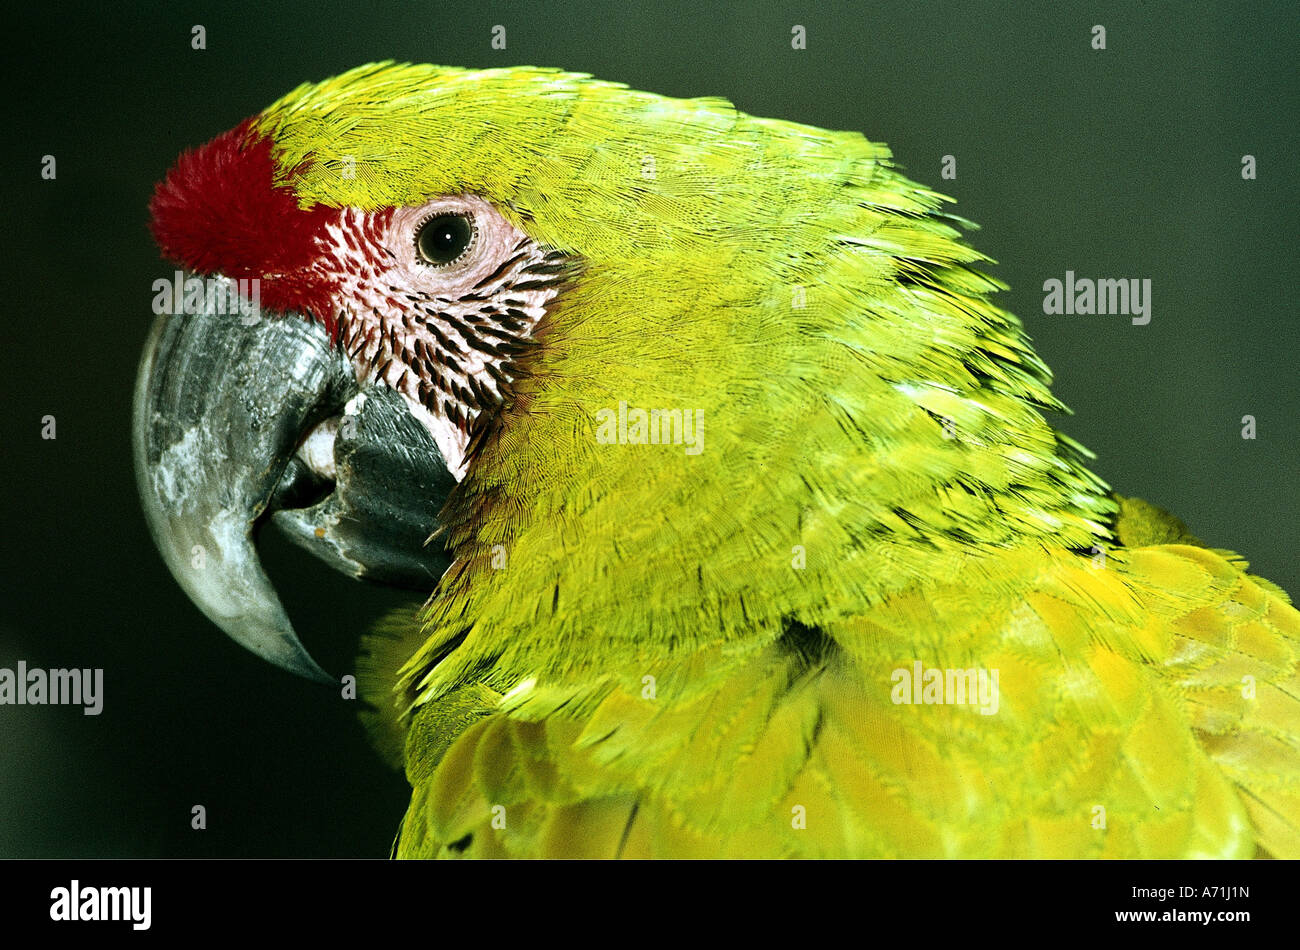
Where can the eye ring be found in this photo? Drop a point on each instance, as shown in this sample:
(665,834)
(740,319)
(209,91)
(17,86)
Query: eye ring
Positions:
(444,237)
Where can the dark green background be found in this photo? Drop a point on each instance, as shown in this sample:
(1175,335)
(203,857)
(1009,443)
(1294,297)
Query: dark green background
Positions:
(1123,163)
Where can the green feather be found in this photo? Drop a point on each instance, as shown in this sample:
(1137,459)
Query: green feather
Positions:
(685,652)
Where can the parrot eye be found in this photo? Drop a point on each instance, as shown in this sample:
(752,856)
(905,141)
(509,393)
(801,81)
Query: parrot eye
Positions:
(444,238)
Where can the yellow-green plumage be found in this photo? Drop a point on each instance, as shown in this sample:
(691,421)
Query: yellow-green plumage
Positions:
(642,651)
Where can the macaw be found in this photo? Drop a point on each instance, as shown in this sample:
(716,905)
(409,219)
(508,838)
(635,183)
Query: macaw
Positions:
(742,527)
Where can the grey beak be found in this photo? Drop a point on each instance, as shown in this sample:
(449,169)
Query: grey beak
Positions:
(222,405)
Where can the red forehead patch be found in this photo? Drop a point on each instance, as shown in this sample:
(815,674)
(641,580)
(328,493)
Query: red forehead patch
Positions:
(218,211)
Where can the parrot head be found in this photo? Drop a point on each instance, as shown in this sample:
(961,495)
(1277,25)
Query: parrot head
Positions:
(433,301)
(610,373)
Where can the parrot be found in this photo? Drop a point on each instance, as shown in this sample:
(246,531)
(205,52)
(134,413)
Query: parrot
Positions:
(730,495)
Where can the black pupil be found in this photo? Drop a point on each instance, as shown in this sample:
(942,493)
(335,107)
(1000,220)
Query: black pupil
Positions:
(443,239)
